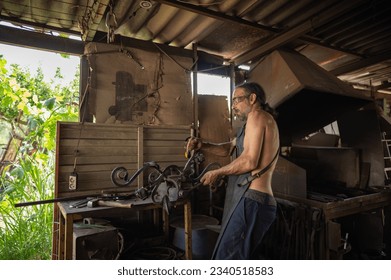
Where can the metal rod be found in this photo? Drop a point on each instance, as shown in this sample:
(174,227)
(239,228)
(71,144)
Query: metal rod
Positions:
(58,199)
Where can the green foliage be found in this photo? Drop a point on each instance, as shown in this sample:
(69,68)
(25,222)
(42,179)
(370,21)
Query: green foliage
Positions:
(28,100)
(31,108)
(26,231)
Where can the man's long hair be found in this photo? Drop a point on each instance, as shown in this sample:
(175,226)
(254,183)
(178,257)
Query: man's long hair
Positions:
(252,87)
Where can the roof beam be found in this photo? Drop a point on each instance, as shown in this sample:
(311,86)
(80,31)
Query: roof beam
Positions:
(276,42)
(35,40)
(206,62)
(383,85)
(361,64)
(215,15)
(38,26)
(295,32)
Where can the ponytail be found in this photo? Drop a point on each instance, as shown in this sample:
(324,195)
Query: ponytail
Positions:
(266,107)
(261,98)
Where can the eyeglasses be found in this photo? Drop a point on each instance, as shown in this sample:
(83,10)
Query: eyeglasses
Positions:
(236,100)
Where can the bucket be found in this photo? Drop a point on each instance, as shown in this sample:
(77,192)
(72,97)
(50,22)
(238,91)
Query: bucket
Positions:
(203,239)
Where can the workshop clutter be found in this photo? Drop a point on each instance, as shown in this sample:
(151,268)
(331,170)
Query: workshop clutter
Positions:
(96,239)
(203,238)
(298,233)
(93,151)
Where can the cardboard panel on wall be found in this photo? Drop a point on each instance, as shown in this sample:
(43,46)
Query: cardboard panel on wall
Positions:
(138,87)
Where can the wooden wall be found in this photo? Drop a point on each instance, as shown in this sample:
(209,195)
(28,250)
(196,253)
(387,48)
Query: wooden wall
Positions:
(98,148)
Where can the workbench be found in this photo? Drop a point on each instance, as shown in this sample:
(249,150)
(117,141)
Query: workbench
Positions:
(339,209)
(67,216)
(347,206)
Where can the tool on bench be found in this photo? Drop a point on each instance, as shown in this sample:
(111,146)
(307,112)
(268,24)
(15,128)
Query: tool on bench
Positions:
(79,204)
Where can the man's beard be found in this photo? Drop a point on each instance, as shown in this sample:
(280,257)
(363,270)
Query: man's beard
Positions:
(241,117)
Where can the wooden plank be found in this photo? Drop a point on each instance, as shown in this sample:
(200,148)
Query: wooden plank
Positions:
(347,206)
(96,167)
(176,137)
(98,150)
(167,135)
(168,127)
(82,184)
(356,205)
(108,129)
(163,164)
(158,129)
(163,143)
(98,142)
(85,177)
(67,160)
(76,133)
(95,126)
(164,150)
(164,158)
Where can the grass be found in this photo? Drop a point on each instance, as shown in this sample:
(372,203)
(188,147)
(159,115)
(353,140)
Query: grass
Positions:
(26,232)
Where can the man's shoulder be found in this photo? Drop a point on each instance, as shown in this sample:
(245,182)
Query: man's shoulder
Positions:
(259,116)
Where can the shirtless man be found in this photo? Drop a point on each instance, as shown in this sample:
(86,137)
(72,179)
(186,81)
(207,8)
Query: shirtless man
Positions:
(249,207)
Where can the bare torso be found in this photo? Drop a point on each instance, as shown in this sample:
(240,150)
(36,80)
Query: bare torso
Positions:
(260,145)
(269,148)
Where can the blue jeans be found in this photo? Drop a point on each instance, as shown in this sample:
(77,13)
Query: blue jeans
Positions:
(248,224)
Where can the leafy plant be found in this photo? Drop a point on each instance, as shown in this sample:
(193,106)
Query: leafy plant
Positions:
(26,231)
(31,108)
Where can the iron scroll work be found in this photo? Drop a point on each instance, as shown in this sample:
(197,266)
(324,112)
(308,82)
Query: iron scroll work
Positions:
(168,185)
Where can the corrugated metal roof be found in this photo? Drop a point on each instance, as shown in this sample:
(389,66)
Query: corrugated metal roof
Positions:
(351,39)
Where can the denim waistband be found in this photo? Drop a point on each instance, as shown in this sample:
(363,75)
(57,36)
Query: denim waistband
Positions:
(261,197)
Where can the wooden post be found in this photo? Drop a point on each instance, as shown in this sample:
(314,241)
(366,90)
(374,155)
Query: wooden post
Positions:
(60,237)
(195,89)
(68,238)
(140,154)
(188,230)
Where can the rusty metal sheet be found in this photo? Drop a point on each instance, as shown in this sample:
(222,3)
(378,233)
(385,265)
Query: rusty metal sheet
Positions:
(306,96)
(289,178)
(328,166)
(361,130)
